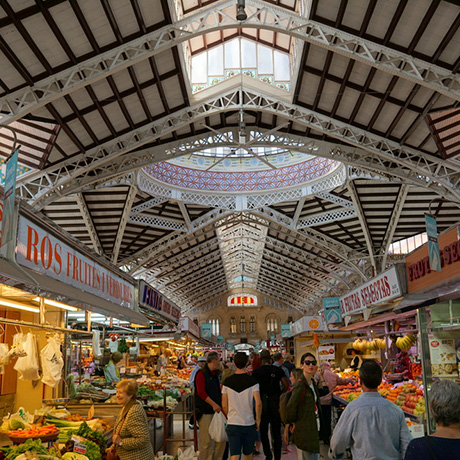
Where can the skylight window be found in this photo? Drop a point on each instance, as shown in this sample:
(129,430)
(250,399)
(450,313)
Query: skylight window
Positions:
(240,56)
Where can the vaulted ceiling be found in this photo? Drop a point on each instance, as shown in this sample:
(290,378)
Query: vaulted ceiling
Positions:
(98,92)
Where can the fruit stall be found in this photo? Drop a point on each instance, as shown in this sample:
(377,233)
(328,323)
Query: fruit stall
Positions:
(408,396)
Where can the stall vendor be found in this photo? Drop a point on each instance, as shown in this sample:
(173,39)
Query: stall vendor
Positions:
(111,372)
(163,360)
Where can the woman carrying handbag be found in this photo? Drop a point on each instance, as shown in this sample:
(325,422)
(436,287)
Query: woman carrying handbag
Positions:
(131,438)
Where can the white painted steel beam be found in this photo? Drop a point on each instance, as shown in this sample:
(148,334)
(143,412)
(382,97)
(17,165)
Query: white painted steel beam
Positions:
(374,153)
(363,223)
(335,199)
(89,224)
(218,17)
(158,222)
(123,221)
(326,217)
(149,204)
(381,261)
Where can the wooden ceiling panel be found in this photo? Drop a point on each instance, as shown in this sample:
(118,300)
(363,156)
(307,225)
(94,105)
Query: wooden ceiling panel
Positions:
(71,29)
(153,101)
(439,25)
(98,23)
(152,12)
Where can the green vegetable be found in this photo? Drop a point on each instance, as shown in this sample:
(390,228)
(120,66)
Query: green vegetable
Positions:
(123,346)
(74,456)
(86,432)
(92,450)
(11,453)
(16,424)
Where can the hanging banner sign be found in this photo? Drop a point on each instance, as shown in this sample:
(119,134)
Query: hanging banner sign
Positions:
(382,288)
(332,312)
(44,253)
(307,323)
(285,331)
(187,325)
(206,330)
(326,352)
(433,246)
(151,299)
(220,339)
(8,217)
(230,347)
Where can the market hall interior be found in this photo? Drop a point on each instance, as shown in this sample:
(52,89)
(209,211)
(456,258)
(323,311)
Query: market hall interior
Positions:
(187,176)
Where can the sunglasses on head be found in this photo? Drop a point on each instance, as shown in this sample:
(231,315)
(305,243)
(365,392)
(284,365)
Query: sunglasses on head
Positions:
(308,362)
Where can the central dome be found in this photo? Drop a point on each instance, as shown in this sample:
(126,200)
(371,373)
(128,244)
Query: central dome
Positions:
(240,174)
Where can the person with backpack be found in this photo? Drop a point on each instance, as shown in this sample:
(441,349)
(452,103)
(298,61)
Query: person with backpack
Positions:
(296,374)
(269,378)
(304,410)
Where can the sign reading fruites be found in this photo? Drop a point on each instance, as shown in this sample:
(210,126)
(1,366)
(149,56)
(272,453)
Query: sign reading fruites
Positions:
(44,253)
(380,289)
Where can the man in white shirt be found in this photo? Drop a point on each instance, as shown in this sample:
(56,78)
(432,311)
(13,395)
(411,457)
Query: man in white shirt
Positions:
(239,393)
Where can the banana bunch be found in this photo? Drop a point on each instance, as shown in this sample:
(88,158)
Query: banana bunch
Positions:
(405,342)
(364,345)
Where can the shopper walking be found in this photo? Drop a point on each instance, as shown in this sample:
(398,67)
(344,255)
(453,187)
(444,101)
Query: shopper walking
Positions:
(200,362)
(208,400)
(304,410)
(368,416)
(445,442)
(131,437)
(278,361)
(288,362)
(331,379)
(240,394)
(269,378)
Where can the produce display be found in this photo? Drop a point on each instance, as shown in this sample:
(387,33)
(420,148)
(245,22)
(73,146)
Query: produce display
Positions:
(407,396)
(36,432)
(406,342)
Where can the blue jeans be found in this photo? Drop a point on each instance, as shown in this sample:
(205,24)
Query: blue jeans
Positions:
(304,455)
(241,438)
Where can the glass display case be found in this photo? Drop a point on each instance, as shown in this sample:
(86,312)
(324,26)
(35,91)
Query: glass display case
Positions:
(439,327)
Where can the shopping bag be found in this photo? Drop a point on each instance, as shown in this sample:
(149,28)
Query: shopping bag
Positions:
(217,427)
(52,362)
(28,366)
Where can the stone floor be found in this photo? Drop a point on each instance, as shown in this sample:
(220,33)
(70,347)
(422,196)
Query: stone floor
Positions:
(288,454)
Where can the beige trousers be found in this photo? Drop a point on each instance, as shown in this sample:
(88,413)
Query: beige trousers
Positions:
(209,449)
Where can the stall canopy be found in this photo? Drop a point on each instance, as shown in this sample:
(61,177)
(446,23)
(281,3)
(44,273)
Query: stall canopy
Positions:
(41,285)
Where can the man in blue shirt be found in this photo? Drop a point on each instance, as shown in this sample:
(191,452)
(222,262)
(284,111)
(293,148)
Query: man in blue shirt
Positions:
(371,426)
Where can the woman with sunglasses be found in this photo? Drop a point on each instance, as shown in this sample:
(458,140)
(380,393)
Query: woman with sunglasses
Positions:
(304,410)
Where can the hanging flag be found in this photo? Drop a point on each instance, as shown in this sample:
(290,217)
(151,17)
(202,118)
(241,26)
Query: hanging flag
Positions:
(433,246)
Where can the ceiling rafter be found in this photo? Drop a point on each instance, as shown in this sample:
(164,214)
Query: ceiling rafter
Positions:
(216,17)
(89,223)
(363,223)
(130,197)
(393,220)
(70,175)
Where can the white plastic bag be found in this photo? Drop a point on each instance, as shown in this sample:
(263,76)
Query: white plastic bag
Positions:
(4,358)
(17,350)
(217,427)
(187,454)
(28,366)
(97,353)
(52,362)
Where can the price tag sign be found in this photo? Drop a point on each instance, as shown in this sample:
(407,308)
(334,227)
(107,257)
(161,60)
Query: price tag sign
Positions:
(78,447)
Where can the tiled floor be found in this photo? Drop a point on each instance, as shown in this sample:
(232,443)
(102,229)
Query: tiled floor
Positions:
(291,454)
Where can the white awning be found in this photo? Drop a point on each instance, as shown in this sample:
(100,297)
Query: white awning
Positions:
(41,285)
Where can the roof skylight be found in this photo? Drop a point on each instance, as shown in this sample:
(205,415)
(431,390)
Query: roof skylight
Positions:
(240,56)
